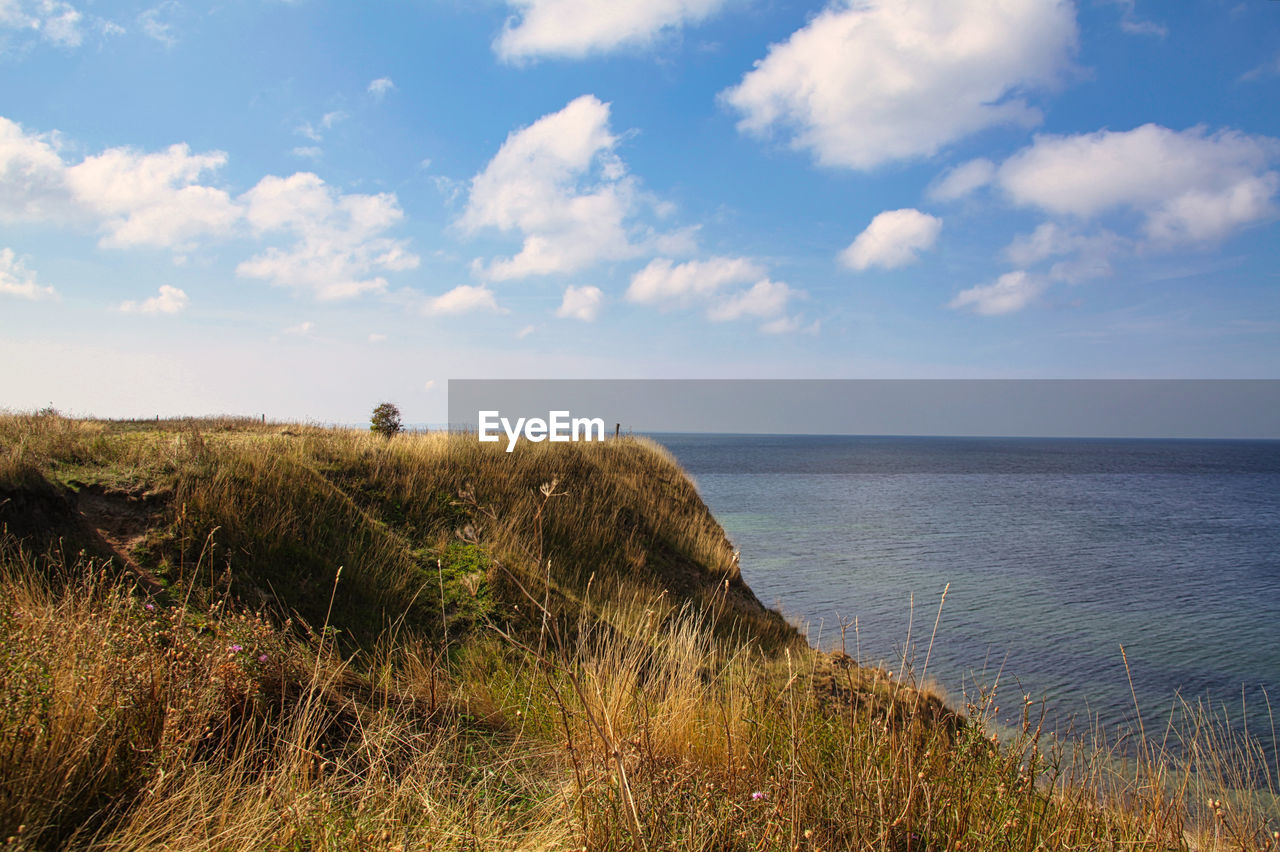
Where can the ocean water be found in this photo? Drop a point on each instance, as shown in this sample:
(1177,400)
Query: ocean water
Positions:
(1058,552)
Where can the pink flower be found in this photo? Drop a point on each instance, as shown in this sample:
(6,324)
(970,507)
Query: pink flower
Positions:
(758,796)
(262,658)
(236,649)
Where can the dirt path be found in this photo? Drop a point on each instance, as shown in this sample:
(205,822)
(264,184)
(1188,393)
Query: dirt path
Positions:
(120,521)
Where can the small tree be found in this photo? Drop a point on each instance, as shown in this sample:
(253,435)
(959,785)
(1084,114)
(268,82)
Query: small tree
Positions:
(385,420)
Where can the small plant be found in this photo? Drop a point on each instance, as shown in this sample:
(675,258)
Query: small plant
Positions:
(385,420)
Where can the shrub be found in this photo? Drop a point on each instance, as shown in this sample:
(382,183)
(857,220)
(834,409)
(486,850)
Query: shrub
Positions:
(385,420)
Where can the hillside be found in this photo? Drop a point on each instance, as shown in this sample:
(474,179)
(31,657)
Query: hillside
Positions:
(268,514)
(223,634)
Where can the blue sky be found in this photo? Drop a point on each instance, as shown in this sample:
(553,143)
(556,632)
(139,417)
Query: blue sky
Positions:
(304,208)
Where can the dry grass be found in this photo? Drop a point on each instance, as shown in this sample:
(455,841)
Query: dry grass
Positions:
(606,712)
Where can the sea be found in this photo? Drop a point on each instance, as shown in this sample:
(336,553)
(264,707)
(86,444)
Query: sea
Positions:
(1112,581)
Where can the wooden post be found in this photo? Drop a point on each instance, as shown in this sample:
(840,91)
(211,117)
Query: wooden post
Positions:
(617,427)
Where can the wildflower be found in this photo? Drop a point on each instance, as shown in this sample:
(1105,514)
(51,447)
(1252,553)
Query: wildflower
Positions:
(150,607)
(759,796)
(236,649)
(262,658)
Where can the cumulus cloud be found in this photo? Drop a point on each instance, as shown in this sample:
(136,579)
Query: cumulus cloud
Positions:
(153,199)
(560,185)
(1188,186)
(578,28)
(338,246)
(716,283)
(463,299)
(663,282)
(17,280)
(32,179)
(865,83)
(136,198)
(170,300)
(763,299)
(894,238)
(963,179)
(581,303)
(50,20)
(379,87)
(1009,293)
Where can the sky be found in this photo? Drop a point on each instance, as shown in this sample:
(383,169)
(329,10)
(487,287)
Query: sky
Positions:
(301,209)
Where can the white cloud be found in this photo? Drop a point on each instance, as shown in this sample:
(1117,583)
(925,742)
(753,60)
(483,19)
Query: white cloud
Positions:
(577,28)
(865,83)
(764,299)
(1047,240)
(525,332)
(51,20)
(963,179)
(560,185)
(338,246)
(154,26)
(664,282)
(1133,25)
(894,238)
(153,199)
(170,300)
(1188,185)
(17,280)
(1267,69)
(136,198)
(311,152)
(32,179)
(463,299)
(379,87)
(140,199)
(301,329)
(1087,256)
(327,122)
(1009,293)
(375,337)
(581,303)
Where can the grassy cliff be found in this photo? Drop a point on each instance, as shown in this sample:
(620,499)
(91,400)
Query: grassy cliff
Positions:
(222,634)
(433,533)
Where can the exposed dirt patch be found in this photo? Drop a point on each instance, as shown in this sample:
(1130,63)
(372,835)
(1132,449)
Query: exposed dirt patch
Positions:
(120,521)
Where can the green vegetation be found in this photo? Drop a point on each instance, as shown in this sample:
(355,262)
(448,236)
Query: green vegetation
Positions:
(220,634)
(386,420)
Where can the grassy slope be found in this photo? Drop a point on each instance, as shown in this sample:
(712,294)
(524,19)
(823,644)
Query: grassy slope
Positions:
(547,649)
(272,512)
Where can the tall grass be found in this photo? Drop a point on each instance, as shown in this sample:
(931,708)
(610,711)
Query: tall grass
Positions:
(125,726)
(603,713)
